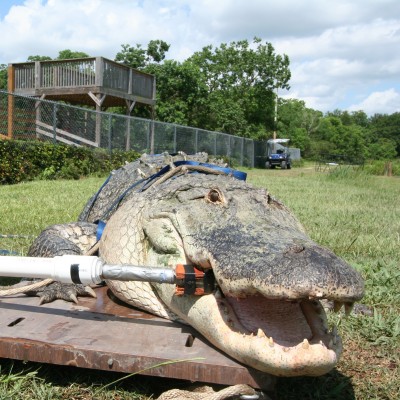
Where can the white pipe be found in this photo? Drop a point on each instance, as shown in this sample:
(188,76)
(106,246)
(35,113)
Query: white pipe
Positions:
(66,269)
(88,270)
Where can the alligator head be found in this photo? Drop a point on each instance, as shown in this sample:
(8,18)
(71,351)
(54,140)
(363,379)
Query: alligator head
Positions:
(265,311)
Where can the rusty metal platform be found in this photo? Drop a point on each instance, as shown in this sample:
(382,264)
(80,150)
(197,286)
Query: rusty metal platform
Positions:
(107,335)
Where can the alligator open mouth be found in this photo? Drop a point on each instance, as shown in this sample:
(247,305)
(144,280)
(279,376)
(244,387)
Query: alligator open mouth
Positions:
(287,338)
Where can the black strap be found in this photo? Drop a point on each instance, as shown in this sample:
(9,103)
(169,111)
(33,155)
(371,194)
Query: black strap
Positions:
(75,274)
(190,280)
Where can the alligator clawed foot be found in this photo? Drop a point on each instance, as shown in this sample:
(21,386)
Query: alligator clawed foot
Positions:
(62,291)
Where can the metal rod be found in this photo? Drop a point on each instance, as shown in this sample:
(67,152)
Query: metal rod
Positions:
(138,273)
(89,270)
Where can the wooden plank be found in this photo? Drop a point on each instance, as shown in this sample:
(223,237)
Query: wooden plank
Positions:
(58,138)
(64,133)
(104,334)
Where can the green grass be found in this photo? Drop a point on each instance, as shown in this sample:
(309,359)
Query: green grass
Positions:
(354,214)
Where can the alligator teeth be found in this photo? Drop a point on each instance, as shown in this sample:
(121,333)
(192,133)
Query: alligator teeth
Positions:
(260,333)
(271,342)
(337,305)
(348,307)
(305,344)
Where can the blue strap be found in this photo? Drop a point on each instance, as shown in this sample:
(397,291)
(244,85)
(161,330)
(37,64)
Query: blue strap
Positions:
(4,252)
(100,228)
(228,171)
(94,198)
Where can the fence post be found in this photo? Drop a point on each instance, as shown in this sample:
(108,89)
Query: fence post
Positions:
(110,134)
(10,103)
(174,138)
(241,152)
(152,131)
(253,151)
(196,141)
(128,134)
(55,106)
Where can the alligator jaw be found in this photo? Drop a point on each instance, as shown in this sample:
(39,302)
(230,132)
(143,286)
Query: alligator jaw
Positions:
(284,338)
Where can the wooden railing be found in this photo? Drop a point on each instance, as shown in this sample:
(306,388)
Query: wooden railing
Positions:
(96,74)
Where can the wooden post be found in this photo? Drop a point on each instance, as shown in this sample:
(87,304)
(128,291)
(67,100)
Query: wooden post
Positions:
(388,169)
(10,88)
(38,108)
(38,75)
(98,126)
(98,99)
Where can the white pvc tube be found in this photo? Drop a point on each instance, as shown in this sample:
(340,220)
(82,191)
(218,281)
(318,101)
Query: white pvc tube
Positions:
(66,269)
(88,270)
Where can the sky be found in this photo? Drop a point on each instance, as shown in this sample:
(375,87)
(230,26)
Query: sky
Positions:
(344,54)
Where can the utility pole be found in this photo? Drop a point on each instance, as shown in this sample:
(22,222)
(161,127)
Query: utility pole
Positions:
(276,112)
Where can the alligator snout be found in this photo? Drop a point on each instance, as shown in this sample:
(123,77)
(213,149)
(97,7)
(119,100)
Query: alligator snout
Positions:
(282,267)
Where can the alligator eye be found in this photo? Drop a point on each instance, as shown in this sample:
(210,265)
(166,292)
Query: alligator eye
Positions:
(214,196)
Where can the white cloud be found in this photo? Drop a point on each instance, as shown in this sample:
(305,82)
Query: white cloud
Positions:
(379,102)
(340,51)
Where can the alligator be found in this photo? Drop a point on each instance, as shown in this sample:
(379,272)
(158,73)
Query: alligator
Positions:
(265,310)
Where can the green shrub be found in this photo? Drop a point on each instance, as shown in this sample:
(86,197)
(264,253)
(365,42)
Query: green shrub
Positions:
(380,167)
(29,160)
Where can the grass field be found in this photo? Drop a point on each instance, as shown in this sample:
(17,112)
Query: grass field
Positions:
(356,215)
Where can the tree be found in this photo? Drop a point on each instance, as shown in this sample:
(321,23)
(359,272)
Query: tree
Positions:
(68,54)
(39,58)
(3,76)
(139,58)
(241,79)
(297,123)
(387,127)
(179,91)
(62,55)
(336,138)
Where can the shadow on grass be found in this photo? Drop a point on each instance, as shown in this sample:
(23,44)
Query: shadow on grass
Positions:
(82,383)
(333,385)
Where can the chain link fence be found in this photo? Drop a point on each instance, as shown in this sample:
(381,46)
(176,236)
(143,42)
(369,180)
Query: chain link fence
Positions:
(28,118)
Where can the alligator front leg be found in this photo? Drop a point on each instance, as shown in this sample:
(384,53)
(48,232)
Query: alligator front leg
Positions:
(57,240)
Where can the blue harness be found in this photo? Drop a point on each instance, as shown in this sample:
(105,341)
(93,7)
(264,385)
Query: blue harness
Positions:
(147,183)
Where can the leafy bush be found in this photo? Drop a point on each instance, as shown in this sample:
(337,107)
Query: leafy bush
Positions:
(29,160)
(381,167)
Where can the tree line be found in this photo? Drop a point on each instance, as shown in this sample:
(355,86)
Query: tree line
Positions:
(233,88)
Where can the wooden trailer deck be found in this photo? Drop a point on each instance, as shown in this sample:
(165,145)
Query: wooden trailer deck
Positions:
(106,335)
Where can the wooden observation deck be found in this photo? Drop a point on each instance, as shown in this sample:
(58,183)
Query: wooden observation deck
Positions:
(93,80)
